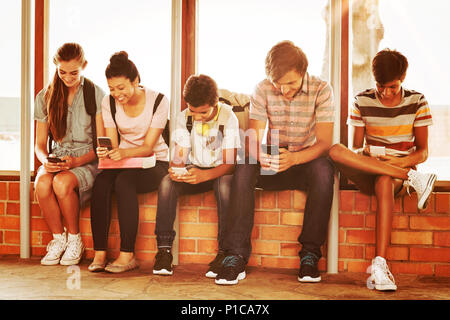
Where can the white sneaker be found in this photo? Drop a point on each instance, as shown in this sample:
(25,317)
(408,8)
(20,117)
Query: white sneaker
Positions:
(55,250)
(423,183)
(74,250)
(381,278)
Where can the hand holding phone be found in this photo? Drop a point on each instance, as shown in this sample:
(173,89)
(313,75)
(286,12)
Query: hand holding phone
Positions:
(377,151)
(270,149)
(104,142)
(179,171)
(55,160)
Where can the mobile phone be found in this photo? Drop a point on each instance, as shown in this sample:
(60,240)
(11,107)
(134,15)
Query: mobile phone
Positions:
(377,150)
(271,149)
(55,160)
(179,171)
(104,142)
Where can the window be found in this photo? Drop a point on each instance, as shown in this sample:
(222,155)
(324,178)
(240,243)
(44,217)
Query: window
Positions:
(235,36)
(10,64)
(419,30)
(140,27)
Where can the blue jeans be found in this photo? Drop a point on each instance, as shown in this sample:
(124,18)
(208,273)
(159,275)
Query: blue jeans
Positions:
(168,194)
(315,177)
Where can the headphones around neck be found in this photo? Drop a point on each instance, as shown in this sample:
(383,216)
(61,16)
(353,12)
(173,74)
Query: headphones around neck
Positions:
(203,128)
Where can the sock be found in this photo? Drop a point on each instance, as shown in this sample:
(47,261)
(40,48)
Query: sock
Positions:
(72,237)
(59,236)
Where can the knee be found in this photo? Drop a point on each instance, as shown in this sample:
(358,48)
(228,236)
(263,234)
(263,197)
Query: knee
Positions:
(224,186)
(384,184)
(62,186)
(322,171)
(245,175)
(336,151)
(165,186)
(44,187)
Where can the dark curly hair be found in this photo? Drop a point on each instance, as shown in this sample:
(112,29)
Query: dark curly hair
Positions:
(200,90)
(389,65)
(120,66)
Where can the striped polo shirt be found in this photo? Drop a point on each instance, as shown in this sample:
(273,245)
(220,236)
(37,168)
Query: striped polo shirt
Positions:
(392,127)
(292,122)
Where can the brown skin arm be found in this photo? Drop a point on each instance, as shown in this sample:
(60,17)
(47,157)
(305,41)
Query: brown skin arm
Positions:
(418,156)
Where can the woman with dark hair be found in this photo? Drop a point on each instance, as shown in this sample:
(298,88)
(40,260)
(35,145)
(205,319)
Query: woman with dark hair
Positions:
(137,134)
(390,138)
(63,187)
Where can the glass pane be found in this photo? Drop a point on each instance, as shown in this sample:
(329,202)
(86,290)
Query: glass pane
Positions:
(420,31)
(141,28)
(235,36)
(10,64)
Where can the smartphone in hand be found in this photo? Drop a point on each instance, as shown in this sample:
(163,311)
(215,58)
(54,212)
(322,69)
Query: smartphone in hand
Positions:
(104,142)
(179,171)
(270,149)
(377,151)
(55,160)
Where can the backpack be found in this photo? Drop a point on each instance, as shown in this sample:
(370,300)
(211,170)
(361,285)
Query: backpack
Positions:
(91,109)
(166,131)
(240,104)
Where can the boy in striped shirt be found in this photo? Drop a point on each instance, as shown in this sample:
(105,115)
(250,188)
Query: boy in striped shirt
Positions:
(390,138)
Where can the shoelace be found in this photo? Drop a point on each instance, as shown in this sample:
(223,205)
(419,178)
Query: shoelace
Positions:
(217,260)
(73,248)
(55,246)
(415,182)
(230,261)
(384,268)
(309,259)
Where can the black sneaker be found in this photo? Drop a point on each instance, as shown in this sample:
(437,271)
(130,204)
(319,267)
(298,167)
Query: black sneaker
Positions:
(308,268)
(163,262)
(232,270)
(215,265)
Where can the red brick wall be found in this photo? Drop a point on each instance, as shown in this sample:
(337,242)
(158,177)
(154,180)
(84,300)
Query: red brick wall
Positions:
(420,242)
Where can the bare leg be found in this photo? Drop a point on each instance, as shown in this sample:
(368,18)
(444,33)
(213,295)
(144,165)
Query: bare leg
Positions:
(99,257)
(342,155)
(48,202)
(384,192)
(65,185)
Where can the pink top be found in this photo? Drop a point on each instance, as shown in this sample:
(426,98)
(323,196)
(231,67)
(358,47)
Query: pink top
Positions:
(133,130)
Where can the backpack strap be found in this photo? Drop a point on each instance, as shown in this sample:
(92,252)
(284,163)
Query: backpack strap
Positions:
(91,108)
(166,131)
(157,101)
(112,107)
(189,124)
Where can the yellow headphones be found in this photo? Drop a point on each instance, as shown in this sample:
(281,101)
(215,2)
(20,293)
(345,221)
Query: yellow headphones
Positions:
(203,128)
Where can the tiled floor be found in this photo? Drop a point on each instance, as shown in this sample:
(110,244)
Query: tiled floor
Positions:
(27,279)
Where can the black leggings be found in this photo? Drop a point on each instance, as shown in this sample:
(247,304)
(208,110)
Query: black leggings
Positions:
(126,183)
